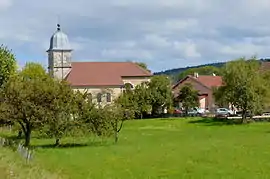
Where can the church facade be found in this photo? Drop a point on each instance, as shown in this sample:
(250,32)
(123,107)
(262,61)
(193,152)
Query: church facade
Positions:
(103,81)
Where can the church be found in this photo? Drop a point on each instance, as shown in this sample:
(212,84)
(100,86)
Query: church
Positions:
(103,81)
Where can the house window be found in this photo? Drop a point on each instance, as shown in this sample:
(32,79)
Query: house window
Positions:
(99,95)
(109,97)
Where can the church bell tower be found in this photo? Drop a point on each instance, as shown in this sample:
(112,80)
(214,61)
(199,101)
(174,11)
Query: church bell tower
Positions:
(59,55)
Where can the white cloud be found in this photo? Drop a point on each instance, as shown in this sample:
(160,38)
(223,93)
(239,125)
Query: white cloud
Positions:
(188,48)
(161,33)
(4,4)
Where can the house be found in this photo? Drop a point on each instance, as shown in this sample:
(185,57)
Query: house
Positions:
(103,81)
(204,85)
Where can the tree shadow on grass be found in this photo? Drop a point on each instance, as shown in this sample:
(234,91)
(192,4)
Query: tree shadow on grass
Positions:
(71,145)
(216,122)
(15,141)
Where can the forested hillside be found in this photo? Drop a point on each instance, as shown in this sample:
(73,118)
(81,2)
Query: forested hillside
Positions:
(206,69)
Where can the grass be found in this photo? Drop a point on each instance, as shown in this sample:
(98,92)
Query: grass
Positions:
(13,167)
(161,148)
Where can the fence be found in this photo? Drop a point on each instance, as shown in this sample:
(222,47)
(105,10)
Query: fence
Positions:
(24,152)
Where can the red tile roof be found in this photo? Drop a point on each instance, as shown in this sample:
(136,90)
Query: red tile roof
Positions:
(265,66)
(103,73)
(206,80)
(210,81)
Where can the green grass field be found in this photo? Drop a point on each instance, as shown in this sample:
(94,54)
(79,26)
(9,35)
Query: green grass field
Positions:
(161,148)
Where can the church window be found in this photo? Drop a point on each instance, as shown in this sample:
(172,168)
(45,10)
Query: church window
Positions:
(89,97)
(109,97)
(99,96)
(128,87)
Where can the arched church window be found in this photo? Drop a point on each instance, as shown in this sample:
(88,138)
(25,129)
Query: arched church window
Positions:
(99,97)
(89,97)
(128,87)
(109,97)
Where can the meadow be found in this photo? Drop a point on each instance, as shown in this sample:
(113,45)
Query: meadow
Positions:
(158,148)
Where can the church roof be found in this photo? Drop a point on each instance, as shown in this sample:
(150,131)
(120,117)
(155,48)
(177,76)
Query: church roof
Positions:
(104,73)
(59,40)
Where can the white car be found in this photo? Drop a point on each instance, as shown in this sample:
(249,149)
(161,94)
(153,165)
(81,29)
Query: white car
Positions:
(224,111)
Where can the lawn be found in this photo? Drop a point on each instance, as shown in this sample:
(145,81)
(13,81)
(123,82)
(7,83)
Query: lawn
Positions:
(164,148)
(13,167)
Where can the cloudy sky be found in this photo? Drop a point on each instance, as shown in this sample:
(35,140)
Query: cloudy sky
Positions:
(162,33)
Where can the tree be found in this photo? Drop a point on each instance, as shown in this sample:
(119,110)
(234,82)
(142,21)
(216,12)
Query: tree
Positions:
(220,99)
(36,101)
(23,93)
(244,86)
(161,93)
(143,65)
(142,97)
(116,115)
(62,111)
(205,70)
(127,101)
(92,119)
(188,97)
(7,64)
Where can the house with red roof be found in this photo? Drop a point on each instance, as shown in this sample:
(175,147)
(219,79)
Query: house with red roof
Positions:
(204,85)
(103,81)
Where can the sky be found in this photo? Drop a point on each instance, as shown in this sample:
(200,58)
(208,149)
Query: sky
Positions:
(163,34)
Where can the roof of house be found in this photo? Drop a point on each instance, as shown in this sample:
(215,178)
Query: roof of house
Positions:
(265,66)
(104,73)
(208,81)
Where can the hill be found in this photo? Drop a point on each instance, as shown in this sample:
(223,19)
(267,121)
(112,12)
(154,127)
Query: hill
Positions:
(176,71)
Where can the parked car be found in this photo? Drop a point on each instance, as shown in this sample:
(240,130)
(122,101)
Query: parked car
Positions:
(196,111)
(177,111)
(200,110)
(224,112)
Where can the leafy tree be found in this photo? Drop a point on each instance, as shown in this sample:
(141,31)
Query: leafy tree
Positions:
(127,101)
(220,99)
(116,115)
(188,97)
(161,93)
(92,119)
(62,111)
(7,64)
(25,96)
(205,70)
(143,65)
(142,97)
(36,101)
(244,86)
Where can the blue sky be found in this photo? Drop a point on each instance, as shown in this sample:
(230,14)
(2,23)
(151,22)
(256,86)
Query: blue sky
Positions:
(163,34)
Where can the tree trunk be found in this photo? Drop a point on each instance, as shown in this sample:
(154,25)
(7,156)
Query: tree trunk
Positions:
(141,115)
(244,117)
(57,142)
(20,134)
(186,112)
(115,136)
(116,132)
(27,138)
